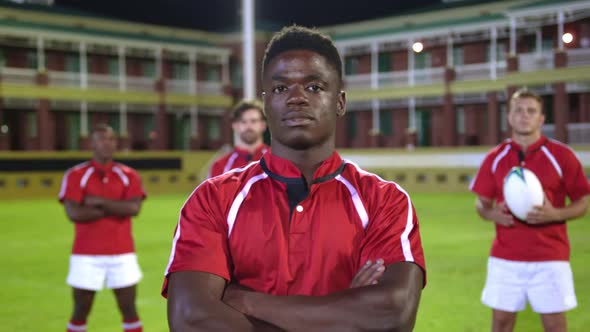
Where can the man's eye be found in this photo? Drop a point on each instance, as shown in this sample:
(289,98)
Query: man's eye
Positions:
(314,88)
(279,89)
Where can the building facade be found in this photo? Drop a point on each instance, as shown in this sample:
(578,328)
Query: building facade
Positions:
(437,77)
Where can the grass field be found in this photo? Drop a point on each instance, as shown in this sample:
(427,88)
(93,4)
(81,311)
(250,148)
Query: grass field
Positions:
(36,240)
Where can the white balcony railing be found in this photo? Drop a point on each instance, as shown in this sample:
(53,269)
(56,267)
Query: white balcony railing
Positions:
(18,75)
(140,84)
(210,88)
(393,79)
(178,86)
(578,57)
(535,61)
(429,75)
(101,81)
(479,71)
(577,133)
(64,78)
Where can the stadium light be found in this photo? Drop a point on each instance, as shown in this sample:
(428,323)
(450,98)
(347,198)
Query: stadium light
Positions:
(417,47)
(4,129)
(567,37)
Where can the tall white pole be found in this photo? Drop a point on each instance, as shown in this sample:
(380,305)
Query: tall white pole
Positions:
(248,49)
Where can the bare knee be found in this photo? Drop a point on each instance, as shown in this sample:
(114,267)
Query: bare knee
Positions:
(82,303)
(503,321)
(554,322)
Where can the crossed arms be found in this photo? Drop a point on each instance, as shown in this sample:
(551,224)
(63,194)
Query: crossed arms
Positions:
(93,208)
(378,300)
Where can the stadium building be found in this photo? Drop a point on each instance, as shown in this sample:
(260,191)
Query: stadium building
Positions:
(438,76)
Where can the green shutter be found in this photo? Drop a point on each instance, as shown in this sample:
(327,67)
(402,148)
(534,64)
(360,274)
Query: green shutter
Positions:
(213,128)
(351,124)
(73,131)
(72,63)
(384,62)
(386,122)
(113,64)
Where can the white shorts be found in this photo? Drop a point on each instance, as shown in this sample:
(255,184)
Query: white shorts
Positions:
(93,272)
(548,286)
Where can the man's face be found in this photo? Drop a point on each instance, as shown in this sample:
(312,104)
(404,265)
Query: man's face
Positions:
(104,144)
(525,116)
(250,126)
(302,99)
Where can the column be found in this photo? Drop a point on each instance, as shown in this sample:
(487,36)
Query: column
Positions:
(45,119)
(194,110)
(84,138)
(560,96)
(124,139)
(375,132)
(493,119)
(160,142)
(512,60)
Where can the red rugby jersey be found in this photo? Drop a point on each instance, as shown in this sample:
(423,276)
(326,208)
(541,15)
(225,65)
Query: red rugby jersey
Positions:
(236,159)
(264,228)
(561,175)
(110,235)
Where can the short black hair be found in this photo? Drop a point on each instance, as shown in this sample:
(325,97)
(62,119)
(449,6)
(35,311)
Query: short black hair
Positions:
(296,37)
(245,105)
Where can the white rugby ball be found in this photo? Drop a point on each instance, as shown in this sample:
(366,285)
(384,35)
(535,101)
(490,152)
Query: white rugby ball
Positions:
(522,191)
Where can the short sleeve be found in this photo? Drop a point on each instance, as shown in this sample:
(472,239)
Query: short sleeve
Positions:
(393,232)
(71,188)
(483,184)
(200,240)
(577,185)
(135,188)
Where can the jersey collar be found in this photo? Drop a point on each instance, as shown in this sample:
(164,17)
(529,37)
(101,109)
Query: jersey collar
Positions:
(100,167)
(531,148)
(257,153)
(284,170)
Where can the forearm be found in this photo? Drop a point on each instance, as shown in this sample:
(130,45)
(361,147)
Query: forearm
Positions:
(121,208)
(85,214)
(574,210)
(360,309)
(216,317)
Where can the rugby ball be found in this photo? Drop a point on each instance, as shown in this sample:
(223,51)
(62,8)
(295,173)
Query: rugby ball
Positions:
(522,191)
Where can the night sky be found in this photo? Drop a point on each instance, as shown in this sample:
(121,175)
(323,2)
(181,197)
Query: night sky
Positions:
(224,15)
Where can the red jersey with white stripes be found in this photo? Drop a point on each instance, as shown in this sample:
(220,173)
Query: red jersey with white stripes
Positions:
(561,175)
(263,227)
(236,159)
(110,235)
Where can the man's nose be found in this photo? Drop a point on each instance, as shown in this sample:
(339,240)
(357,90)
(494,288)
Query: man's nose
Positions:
(297,96)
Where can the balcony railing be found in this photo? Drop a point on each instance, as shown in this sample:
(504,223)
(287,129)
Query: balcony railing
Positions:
(479,71)
(18,75)
(578,57)
(535,61)
(577,133)
(63,78)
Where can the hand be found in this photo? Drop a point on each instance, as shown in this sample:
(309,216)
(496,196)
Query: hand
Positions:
(368,274)
(543,214)
(234,295)
(501,216)
(93,201)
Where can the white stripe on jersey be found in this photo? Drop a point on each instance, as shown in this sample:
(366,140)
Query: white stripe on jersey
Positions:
(86,176)
(64,181)
(356,200)
(552,160)
(230,162)
(121,175)
(499,157)
(404,239)
(233,211)
(177,233)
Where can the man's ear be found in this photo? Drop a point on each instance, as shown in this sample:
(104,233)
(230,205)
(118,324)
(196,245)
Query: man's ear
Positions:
(341,103)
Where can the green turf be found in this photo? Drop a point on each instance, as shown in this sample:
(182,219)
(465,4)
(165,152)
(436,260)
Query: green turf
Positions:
(36,240)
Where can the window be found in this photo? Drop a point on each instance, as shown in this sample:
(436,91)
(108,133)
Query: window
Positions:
(237,76)
(351,65)
(458,56)
(148,126)
(32,59)
(113,66)
(2,58)
(213,73)
(500,52)
(148,69)
(422,60)
(384,62)
(351,124)
(213,129)
(115,123)
(72,63)
(547,44)
(386,123)
(460,120)
(180,71)
(32,124)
